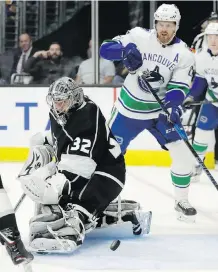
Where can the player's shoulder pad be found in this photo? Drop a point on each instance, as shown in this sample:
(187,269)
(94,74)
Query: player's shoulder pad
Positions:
(87,116)
(201,54)
(187,56)
(91,110)
(139,31)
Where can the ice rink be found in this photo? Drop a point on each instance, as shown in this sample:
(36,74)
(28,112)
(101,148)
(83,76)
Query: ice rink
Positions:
(171,245)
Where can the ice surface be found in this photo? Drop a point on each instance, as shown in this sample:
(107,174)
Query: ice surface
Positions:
(171,246)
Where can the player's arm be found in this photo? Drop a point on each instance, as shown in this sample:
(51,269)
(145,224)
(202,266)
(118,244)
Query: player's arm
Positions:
(178,86)
(124,48)
(199,86)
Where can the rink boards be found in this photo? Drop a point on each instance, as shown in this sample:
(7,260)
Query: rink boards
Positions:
(24,112)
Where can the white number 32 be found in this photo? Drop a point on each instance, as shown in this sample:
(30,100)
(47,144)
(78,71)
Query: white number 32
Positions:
(81,144)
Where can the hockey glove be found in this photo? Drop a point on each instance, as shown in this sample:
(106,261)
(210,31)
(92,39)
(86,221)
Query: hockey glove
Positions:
(131,57)
(175,112)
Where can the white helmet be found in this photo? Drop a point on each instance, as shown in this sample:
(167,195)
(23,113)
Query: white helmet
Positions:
(212,28)
(169,13)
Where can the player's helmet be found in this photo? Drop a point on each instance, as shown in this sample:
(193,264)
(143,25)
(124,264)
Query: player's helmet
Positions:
(64,89)
(212,28)
(167,12)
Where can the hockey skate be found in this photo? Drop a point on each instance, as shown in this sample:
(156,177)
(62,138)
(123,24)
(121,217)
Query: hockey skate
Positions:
(185,211)
(127,211)
(15,247)
(141,221)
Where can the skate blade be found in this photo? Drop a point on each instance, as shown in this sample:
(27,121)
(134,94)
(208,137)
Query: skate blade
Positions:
(186,218)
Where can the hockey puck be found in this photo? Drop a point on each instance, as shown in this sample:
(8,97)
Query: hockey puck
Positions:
(115,245)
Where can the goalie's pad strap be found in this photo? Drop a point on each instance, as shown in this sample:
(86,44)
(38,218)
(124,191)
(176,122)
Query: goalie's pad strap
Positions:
(125,205)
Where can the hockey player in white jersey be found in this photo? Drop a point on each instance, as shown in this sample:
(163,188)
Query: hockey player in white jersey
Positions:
(200,41)
(168,64)
(74,193)
(9,233)
(206,78)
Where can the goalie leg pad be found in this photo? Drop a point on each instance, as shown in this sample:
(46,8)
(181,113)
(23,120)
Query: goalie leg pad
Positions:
(56,231)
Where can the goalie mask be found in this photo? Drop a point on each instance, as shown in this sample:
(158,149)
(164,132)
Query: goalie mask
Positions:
(64,94)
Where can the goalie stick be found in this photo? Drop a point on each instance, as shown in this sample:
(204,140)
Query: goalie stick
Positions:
(146,87)
(19,202)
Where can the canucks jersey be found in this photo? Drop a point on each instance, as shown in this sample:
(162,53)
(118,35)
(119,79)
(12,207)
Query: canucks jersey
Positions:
(170,68)
(206,75)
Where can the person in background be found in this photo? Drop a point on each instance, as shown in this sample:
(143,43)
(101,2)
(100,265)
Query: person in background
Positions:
(121,73)
(10,9)
(85,73)
(47,66)
(22,53)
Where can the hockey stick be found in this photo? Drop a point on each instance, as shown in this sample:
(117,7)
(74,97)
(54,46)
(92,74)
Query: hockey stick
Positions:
(145,86)
(21,199)
(199,103)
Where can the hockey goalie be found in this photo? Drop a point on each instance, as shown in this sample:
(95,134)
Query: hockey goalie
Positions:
(75,174)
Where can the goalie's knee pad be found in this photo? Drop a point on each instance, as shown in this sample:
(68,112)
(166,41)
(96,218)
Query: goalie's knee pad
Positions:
(39,156)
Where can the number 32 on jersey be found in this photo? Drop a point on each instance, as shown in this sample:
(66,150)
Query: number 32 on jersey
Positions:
(82,145)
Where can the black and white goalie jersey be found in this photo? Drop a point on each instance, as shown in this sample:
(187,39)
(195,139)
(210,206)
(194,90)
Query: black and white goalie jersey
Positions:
(84,144)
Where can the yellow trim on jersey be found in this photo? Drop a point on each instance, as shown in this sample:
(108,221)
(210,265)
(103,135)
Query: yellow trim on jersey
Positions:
(132,157)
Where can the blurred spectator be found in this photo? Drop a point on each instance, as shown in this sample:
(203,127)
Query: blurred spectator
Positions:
(47,66)
(85,73)
(10,9)
(121,73)
(22,53)
(2,80)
